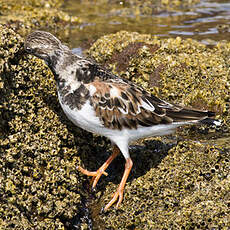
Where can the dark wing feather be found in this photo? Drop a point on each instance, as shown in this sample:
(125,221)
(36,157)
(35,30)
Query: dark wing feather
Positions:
(119,103)
(184,114)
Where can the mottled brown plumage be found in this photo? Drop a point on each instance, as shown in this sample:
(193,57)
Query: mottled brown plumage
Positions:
(126,108)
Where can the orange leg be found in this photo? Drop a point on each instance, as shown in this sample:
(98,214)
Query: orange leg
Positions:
(97,174)
(120,189)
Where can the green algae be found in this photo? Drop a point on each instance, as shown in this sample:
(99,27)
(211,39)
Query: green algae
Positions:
(151,7)
(148,7)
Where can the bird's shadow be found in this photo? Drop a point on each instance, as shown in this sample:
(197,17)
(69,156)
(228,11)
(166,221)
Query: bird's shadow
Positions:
(144,158)
(95,150)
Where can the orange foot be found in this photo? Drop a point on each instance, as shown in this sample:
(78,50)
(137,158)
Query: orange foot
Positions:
(97,174)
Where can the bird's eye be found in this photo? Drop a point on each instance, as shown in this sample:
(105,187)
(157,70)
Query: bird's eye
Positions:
(28,49)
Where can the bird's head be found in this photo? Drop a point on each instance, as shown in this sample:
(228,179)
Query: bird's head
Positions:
(43,45)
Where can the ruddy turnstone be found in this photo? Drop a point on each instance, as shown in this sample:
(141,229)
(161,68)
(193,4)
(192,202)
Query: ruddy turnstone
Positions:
(100,102)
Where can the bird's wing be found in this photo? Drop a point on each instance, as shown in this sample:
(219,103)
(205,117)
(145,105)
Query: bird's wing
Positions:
(122,104)
(119,105)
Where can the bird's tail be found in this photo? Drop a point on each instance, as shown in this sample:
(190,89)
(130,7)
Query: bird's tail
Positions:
(191,115)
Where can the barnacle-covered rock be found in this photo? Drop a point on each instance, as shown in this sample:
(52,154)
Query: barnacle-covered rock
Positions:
(180,185)
(34,14)
(188,188)
(172,185)
(40,187)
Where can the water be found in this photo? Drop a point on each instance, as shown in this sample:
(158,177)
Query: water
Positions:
(207,21)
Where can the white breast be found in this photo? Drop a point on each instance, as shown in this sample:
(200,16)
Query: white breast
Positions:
(84,118)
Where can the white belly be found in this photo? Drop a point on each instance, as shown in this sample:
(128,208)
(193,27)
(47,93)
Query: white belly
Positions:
(84,118)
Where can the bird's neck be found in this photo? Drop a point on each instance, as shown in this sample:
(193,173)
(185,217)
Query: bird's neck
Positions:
(60,64)
(63,66)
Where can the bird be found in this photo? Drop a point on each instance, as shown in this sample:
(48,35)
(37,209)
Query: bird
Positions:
(98,101)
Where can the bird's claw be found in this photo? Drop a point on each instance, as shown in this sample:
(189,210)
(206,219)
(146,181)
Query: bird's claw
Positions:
(117,195)
(95,175)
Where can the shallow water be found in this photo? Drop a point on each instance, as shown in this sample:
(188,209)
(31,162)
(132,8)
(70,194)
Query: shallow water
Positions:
(207,21)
